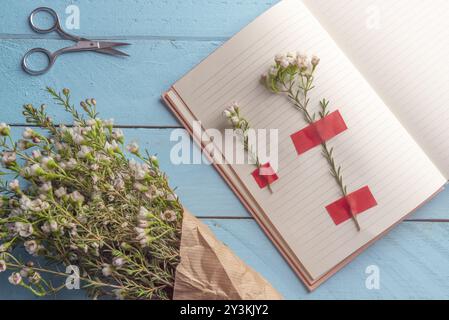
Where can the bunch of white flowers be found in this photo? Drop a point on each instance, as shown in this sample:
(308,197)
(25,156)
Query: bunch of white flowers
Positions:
(82,202)
(288,67)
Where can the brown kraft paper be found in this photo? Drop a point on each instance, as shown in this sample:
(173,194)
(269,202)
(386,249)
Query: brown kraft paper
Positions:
(209,270)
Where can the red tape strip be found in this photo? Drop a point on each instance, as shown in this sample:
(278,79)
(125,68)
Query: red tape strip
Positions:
(264,175)
(356,202)
(319,132)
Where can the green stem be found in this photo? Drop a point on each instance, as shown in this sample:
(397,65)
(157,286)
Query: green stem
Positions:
(310,119)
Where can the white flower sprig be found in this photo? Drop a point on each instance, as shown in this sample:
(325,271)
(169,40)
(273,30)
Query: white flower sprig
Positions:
(85,203)
(241,127)
(293,74)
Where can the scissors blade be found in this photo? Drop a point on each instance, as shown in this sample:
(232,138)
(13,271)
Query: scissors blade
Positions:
(106,44)
(113,52)
(108,48)
(99,46)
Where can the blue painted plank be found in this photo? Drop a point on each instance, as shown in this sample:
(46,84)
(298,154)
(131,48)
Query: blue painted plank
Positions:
(199,186)
(413,263)
(141,18)
(127,89)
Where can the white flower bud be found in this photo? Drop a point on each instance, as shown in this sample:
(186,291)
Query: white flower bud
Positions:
(4,129)
(28,133)
(279,57)
(315,60)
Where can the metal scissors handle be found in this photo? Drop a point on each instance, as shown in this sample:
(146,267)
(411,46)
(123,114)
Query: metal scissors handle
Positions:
(82,44)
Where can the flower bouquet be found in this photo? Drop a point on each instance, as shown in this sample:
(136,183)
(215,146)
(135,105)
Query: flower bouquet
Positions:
(77,198)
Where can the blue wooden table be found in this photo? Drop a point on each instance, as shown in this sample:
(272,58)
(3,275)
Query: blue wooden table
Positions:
(168,38)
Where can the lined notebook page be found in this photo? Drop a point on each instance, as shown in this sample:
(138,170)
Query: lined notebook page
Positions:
(402,49)
(374,151)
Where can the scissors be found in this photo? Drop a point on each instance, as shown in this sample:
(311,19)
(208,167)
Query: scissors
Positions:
(82,44)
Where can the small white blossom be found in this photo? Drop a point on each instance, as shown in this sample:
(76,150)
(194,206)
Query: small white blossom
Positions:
(144,241)
(77,197)
(117,134)
(133,147)
(14,185)
(168,215)
(279,57)
(285,63)
(8,157)
(60,192)
(227,113)
(84,151)
(235,120)
(48,162)
(53,226)
(36,154)
(139,170)
(144,213)
(2,266)
(118,262)
(23,229)
(45,187)
(36,170)
(143,224)
(140,231)
(140,187)
(107,270)
(302,61)
(23,144)
(25,272)
(78,138)
(273,71)
(31,246)
(70,164)
(291,57)
(109,122)
(119,184)
(35,278)
(113,146)
(15,278)
(46,227)
(59,146)
(171,197)
(38,205)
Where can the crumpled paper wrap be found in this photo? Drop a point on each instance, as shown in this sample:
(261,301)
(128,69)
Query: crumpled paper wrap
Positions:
(211,271)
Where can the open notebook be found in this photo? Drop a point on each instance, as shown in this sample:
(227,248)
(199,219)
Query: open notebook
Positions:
(390,92)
